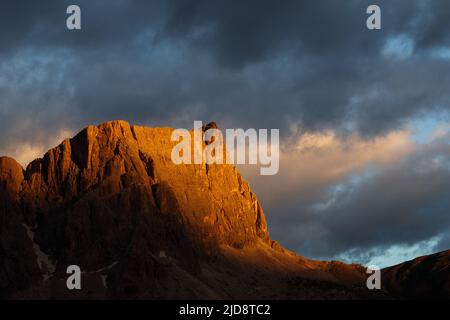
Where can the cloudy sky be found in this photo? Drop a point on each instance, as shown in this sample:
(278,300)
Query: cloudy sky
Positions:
(363,115)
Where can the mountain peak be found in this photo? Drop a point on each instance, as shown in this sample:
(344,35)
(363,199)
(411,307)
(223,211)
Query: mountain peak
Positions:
(11,175)
(94,197)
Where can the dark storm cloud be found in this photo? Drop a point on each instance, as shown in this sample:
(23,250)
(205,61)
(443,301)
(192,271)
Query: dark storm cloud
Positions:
(26,23)
(432,29)
(251,31)
(246,63)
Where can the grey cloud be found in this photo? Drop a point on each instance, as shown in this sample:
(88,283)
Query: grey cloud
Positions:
(211,54)
(401,204)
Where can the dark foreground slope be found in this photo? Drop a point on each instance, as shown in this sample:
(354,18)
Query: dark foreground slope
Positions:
(422,278)
(111,201)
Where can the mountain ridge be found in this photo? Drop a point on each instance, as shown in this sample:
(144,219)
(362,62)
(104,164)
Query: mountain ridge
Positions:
(140,227)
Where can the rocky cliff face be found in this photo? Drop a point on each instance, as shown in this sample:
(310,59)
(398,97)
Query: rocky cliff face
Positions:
(112,192)
(111,201)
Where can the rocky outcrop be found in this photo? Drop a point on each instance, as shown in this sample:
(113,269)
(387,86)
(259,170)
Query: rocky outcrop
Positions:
(112,194)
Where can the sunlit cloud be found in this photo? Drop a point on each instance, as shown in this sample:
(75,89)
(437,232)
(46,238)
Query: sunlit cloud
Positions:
(26,152)
(332,188)
(317,160)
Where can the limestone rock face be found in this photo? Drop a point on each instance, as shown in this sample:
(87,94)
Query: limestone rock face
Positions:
(130,168)
(112,191)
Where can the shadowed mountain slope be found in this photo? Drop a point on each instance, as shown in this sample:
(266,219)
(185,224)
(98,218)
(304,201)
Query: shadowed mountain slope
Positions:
(422,278)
